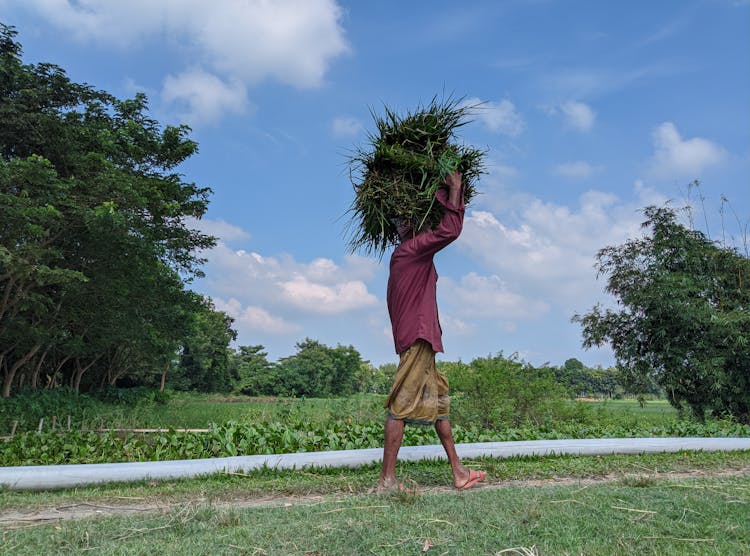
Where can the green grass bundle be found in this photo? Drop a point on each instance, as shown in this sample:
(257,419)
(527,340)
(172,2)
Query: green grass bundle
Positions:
(395,178)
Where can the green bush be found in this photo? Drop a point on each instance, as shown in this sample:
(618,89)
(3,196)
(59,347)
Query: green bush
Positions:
(499,392)
(29,406)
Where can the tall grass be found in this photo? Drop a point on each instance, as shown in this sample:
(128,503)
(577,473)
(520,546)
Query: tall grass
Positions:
(188,410)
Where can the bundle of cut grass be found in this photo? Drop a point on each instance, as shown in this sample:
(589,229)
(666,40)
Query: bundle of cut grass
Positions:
(396,176)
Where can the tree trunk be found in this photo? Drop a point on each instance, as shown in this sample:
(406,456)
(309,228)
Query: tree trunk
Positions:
(6,296)
(35,375)
(163,377)
(113,377)
(78,373)
(53,381)
(10,374)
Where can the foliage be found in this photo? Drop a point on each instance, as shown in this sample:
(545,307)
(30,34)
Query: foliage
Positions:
(131,397)
(95,250)
(684,321)
(253,374)
(29,406)
(204,362)
(396,177)
(376,380)
(317,370)
(581,381)
(292,425)
(234,438)
(499,391)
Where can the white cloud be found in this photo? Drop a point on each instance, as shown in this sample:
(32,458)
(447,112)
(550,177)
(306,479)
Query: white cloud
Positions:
(205,96)
(547,251)
(322,299)
(220,229)
(501,117)
(285,287)
(346,127)
(254,318)
(117,23)
(578,115)
(490,296)
(675,157)
(453,325)
(575,170)
(240,42)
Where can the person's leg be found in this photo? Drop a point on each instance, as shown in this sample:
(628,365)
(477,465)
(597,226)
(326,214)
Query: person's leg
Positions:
(462,477)
(394,434)
(445,433)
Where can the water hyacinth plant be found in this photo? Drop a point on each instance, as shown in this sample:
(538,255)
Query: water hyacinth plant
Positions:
(396,175)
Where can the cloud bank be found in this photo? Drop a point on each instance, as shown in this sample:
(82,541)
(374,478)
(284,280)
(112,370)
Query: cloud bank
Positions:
(228,46)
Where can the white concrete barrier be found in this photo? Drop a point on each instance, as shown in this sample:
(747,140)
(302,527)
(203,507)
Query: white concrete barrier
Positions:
(43,477)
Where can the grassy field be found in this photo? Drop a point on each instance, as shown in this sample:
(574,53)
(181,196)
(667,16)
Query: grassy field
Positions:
(185,410)
(198,410)
(645,506)
(230,426)
(685,503)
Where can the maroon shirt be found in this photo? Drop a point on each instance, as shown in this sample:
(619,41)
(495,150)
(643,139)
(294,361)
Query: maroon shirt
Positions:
(412,284)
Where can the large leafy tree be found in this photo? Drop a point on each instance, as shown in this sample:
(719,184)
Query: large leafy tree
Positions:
(252,373)
(318,370)
(205,360)
(683,320)
(95,252)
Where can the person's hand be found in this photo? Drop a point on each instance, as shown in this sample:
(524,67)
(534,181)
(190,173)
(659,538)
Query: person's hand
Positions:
(453,180)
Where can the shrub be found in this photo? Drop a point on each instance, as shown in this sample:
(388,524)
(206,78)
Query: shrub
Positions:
(29,406)
(499,391)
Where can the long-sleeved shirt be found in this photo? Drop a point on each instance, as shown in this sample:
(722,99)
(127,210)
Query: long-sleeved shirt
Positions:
(412,283)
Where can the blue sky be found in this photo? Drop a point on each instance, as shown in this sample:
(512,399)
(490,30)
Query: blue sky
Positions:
(592,110)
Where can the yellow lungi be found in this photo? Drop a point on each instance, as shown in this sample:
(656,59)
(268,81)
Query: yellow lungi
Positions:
(420,392)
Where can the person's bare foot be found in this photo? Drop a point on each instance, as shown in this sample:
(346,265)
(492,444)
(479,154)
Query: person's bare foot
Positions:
(389,486)
(471,479)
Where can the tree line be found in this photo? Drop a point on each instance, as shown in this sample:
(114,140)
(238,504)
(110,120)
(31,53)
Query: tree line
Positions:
(318,370)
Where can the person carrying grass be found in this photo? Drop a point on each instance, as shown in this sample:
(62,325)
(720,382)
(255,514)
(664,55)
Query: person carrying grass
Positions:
(420,392)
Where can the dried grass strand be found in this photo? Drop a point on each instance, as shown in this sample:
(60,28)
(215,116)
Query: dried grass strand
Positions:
(396,175)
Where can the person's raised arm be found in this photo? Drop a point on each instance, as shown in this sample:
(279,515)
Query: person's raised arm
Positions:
(454,182)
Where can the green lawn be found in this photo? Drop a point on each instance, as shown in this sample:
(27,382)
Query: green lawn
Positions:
(664,517)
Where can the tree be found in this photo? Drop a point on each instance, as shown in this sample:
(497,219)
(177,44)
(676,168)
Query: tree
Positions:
(317,370)
(500,391)
(684,321)
(253,374)
(375,380)
(95,252)
(574,377)
(204,364)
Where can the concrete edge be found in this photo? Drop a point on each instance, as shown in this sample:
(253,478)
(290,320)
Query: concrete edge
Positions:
(45,477)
